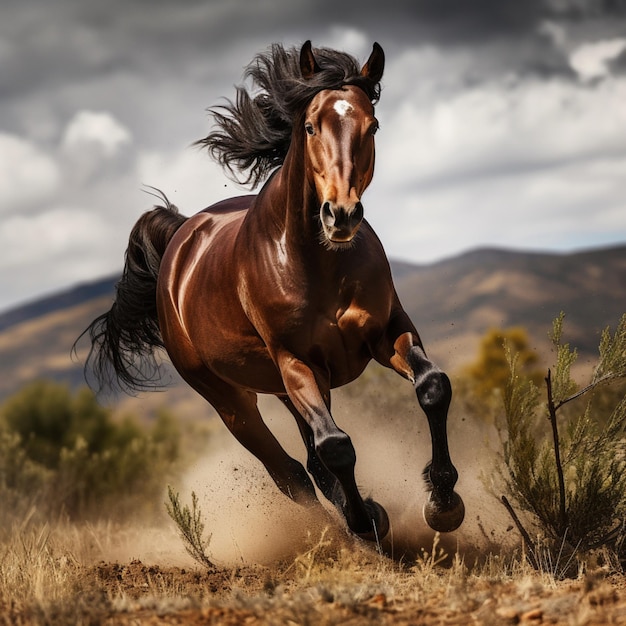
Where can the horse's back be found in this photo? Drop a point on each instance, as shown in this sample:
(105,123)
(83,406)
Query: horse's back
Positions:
(229,206)
(213,227)
(206,238)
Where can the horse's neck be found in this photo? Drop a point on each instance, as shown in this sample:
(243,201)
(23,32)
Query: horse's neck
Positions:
(285,208)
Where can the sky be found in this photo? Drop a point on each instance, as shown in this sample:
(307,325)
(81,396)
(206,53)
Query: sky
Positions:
(501,123)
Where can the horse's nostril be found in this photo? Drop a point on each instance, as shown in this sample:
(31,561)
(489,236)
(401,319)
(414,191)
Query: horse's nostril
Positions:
(327,214)
(357,216)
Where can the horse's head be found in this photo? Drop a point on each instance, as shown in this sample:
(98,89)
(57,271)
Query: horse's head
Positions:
(339,154)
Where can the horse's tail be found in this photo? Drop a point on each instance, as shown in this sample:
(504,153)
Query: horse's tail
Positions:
(124,339)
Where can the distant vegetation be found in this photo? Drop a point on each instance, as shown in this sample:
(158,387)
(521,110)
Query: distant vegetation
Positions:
(63,455)
(479,386)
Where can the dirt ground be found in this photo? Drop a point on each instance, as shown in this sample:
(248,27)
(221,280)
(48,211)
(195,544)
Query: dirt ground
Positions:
(275,565)
(254,598)
(364,590)
(336,579)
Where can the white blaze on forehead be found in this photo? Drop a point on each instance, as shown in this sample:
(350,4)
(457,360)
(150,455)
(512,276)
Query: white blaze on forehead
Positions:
(342,107)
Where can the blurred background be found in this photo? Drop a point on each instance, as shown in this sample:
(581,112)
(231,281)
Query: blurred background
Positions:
(502,123)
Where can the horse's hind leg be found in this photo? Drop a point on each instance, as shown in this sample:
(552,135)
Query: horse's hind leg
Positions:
(239,412)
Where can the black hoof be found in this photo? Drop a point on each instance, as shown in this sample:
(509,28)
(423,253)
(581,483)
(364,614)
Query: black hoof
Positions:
(379,522)
(444,518)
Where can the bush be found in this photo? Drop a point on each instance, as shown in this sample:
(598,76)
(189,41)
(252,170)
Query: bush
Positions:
(479,385)
(567,471)
(66,455)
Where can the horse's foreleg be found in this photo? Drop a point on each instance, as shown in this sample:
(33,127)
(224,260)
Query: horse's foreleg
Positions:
(310,398)
(326,481)
(444,510)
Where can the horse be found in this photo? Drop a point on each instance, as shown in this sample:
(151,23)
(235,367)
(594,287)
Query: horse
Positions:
(286,292)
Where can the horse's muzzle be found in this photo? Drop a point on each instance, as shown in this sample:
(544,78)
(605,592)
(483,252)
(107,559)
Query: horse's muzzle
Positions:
(341,223)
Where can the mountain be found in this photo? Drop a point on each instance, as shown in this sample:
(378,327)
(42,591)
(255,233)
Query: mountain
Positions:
(452,303)
(457,300)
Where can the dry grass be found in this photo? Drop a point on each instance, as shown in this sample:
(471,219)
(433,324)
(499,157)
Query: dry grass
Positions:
(70,574)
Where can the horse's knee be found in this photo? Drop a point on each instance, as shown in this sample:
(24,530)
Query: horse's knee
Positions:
(337,453)
(434,391)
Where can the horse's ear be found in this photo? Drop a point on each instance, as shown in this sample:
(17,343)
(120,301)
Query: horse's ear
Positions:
(308,64)
(375,65)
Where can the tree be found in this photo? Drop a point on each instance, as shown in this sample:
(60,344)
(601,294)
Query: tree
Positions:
(480,384)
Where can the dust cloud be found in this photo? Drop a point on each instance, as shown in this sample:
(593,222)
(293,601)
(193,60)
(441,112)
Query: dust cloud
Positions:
(250,521)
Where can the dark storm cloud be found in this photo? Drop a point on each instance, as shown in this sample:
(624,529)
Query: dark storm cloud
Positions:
(47,43)
(97,98)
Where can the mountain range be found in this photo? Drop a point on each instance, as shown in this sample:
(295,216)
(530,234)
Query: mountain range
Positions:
(452,303)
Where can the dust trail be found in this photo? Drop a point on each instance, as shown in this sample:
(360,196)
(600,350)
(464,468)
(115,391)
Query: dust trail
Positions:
(250,521)
(392,451)
(248,518)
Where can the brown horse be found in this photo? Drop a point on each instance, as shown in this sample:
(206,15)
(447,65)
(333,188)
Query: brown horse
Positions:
(287,292)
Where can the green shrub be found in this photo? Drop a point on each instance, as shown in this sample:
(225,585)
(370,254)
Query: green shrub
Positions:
(66,455)
(563,465)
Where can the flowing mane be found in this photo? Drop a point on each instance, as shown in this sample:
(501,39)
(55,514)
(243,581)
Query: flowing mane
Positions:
(254,132)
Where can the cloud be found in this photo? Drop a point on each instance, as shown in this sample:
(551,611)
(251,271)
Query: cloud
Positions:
(188,177)
(593,60)
(59,246)
(484,120)
(27,174)
(97,129)
(571,206)
(94,145)
(511,161)
(30,239)
(498,127)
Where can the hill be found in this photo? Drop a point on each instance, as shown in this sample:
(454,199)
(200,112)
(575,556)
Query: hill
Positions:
(455,301)
(452,302)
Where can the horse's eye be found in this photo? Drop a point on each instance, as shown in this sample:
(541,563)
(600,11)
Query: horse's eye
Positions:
(309,128)
(374,128)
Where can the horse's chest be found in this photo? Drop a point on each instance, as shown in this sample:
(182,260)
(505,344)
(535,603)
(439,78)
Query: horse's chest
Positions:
(343,330)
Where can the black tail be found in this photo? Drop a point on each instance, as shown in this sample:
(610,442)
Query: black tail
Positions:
(124,339)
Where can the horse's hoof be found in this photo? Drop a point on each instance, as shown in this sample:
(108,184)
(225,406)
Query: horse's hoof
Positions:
(444,520)
(379,521)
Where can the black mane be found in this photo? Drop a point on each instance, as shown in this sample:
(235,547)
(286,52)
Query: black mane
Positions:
(254,132)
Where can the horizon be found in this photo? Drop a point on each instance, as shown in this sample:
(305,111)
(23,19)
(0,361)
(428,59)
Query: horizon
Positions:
(60,291)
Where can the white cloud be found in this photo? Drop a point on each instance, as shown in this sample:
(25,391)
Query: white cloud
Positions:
(187,176)
(27,173)
(591,60)
(577,204)
(351,40)
(500,126)
(95,146)
(97,128)
(524,163)
(60,247)
(44,237)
